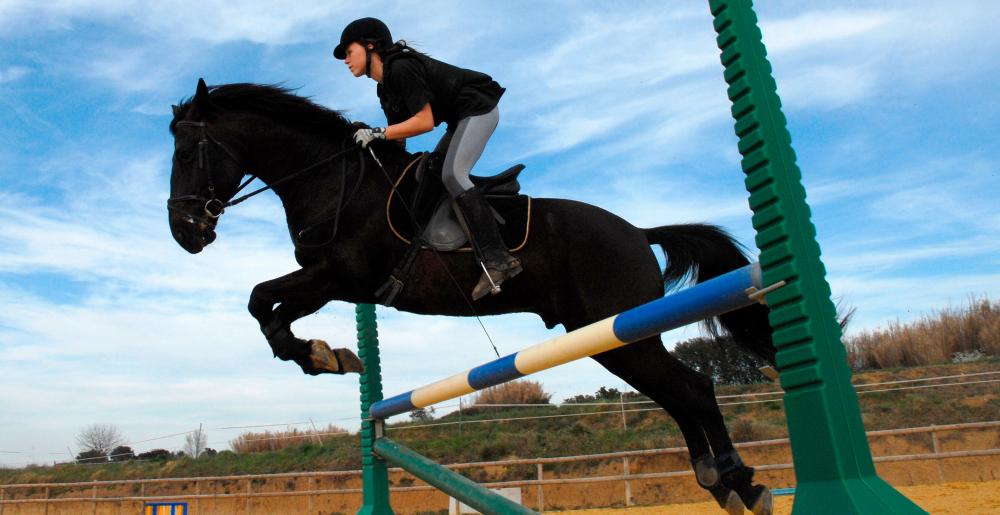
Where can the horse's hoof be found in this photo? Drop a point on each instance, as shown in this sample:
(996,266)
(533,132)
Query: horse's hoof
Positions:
(333,361)
(764,505)
(349,361)
(733,506)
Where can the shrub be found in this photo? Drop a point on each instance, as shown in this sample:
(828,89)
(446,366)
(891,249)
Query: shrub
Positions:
(277,440)
(92,456)
(950,334)
(155,454)
(122,453)
(515,392)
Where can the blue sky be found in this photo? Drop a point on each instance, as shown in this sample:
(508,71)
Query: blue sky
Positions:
(103,318)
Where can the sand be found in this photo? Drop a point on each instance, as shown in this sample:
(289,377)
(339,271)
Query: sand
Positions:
(966,498)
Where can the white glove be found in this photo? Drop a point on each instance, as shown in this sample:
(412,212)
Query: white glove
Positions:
(365,136)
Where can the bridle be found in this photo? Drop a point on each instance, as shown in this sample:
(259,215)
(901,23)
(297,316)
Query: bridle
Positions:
(213,206)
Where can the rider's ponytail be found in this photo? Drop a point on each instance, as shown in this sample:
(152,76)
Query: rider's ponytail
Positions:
(402,46)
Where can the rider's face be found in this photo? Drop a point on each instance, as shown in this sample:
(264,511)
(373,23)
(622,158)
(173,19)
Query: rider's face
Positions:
(355,59)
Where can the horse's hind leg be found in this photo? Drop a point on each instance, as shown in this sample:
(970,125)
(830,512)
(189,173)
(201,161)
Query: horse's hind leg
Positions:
(689,397)
(734,474)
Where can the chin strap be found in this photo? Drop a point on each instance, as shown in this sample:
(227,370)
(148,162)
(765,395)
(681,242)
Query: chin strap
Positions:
(368,62)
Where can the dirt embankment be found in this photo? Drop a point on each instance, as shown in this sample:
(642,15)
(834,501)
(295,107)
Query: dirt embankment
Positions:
(289,493)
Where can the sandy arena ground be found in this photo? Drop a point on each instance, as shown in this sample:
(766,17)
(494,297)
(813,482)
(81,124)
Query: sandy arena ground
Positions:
(949,498)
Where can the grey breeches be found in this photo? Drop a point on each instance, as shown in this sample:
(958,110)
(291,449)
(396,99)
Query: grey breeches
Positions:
(467,144)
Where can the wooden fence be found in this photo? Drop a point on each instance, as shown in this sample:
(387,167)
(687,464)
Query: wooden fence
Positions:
(13,495)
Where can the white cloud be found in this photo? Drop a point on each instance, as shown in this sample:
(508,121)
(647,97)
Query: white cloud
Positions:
(820,28)
(13,73)
(212,22)
(623,110)
(878,296)
(827,86)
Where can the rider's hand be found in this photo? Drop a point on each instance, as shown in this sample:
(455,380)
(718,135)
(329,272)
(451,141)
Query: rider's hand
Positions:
(365,136)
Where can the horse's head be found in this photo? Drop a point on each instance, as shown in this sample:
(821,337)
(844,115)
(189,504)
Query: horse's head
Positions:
(205,173)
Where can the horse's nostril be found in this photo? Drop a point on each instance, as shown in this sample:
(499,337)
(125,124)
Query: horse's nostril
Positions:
(179,236)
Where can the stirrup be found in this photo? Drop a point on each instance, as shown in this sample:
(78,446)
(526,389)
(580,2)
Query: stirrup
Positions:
(494,275)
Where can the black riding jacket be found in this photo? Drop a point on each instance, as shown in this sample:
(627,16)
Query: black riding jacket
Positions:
(410,80)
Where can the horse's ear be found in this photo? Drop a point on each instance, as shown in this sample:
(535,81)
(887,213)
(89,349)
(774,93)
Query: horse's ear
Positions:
(176,110)
(201,96)
(202,90)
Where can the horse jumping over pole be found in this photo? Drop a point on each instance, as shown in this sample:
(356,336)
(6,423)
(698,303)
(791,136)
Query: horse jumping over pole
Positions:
(581,263)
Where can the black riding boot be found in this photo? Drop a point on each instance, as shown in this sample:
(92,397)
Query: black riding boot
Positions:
(490,248)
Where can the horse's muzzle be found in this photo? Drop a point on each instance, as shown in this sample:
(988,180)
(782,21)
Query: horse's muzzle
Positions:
(192,234)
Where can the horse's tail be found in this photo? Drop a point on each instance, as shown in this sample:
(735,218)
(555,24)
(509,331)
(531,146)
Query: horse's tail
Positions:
(701,252)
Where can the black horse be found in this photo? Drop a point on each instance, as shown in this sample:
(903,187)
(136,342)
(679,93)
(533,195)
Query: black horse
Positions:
(581,263)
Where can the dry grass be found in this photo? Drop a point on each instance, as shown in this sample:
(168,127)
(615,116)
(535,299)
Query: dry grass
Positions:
(269,441)
(948,335)
(514,392)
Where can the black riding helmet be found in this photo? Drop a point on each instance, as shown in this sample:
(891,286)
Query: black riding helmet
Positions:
(364,31)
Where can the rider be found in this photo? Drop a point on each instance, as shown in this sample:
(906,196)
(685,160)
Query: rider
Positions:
(417,93)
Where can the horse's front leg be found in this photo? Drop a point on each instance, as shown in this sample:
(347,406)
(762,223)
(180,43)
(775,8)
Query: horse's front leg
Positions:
(296,295)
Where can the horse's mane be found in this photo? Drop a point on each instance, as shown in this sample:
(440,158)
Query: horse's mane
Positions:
(272,101)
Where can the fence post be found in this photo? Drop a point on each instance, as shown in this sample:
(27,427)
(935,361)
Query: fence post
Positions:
(249,501)
(621,401)
(834,469)
(628,484)
(93,495)
(374,472)
(3,492)
(197,500)
(541,489)
(312,488)
(46,512)
(937,450)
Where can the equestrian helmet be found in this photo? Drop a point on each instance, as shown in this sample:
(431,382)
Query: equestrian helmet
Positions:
(363,30)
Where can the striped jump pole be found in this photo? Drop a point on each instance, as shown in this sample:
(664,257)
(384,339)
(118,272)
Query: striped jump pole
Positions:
(716,296)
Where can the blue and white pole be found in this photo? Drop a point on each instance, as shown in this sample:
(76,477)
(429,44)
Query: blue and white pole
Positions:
(716,296)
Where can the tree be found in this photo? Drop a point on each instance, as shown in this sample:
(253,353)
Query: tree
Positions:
(195,442)
(91,456)
(155,454)
(721,359)
(102,438)
(605,394)
(122,453)
(422,414)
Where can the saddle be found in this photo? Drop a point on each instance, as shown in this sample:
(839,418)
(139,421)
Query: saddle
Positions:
(436,216)
(422,214)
